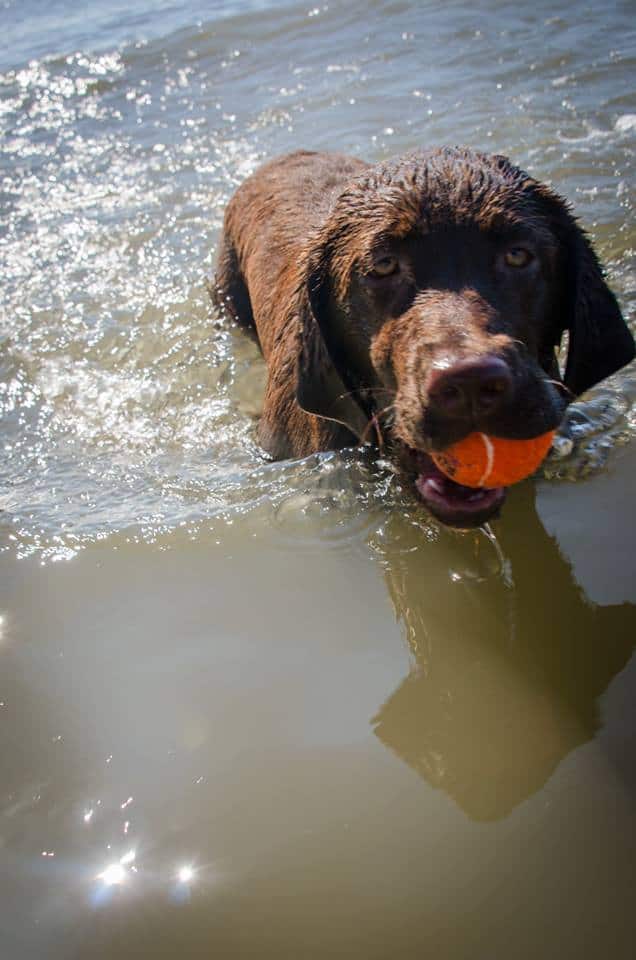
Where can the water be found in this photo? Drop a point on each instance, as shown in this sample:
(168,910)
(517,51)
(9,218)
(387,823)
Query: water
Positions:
(364,735)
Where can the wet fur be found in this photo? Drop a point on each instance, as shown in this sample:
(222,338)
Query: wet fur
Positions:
(346,354)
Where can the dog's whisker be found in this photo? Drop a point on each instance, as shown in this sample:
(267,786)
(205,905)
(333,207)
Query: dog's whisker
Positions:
(374,423)
(562,387)
(365,390)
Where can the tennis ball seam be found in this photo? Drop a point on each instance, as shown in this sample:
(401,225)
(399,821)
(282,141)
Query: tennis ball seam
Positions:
(490,458)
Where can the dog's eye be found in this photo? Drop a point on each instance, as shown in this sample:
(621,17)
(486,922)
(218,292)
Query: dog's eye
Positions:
(384,266)
(518,257)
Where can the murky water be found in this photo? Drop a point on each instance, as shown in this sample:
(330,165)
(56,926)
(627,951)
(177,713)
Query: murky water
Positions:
(254,709)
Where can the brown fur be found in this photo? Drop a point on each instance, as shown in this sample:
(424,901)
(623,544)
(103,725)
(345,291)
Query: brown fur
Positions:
(346,349)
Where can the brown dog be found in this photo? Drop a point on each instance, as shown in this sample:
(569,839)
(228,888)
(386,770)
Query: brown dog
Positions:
(415,301)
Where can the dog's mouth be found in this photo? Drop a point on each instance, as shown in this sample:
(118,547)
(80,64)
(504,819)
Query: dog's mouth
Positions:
(453,503)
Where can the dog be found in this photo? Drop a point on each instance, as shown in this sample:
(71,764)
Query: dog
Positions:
(412,303)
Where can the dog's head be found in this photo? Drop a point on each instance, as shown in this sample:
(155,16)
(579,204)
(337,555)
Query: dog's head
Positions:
(434,298)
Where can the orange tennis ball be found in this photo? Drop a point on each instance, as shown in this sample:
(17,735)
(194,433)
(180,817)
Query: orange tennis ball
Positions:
(480,460)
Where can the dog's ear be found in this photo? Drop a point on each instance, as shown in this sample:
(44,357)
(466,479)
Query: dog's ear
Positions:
(323,386)
(600,342)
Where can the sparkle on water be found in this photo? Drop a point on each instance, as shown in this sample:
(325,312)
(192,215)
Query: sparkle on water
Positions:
(126,403)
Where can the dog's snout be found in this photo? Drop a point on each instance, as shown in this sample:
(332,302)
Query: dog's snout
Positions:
(470,389)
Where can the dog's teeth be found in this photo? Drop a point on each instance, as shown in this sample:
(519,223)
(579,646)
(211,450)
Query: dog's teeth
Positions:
(437,485)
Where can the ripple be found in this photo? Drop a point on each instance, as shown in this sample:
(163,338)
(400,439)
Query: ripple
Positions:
(126,403)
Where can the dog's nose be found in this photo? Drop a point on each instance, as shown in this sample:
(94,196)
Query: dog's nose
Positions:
(470,388)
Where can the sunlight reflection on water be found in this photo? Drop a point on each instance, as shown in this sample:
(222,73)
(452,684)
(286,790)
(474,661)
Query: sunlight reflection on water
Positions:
(126,403)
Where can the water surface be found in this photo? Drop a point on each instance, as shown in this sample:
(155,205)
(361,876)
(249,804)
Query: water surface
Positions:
(272,709)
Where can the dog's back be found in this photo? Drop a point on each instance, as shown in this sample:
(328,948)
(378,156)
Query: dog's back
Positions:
(267,222)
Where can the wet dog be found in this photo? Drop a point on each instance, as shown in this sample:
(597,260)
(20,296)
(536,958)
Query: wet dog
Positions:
(414,302)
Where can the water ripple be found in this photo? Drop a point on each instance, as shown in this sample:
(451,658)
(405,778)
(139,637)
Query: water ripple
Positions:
(126,403)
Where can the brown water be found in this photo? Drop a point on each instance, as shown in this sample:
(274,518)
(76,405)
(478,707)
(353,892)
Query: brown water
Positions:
(262,710)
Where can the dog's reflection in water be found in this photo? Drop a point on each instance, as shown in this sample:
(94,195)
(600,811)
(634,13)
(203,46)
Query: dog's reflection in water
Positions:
(508,668)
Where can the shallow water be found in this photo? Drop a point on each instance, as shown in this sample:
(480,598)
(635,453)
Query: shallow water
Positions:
(365,735)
